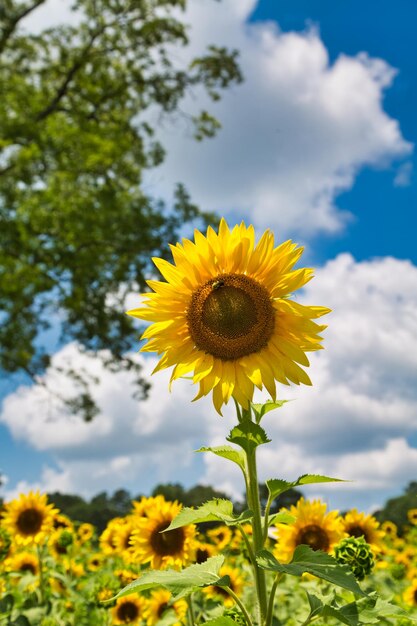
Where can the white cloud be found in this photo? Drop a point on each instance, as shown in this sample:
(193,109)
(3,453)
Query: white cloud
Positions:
(404,175)
(294,134)
(356,422)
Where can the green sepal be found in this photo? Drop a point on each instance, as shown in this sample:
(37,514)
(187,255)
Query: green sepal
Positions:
(276,486)
(217,510)
(180,584)
(248,436)
(315,562)
(260,410)
(227,452)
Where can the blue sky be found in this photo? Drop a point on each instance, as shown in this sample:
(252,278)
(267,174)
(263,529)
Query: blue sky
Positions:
(318,144)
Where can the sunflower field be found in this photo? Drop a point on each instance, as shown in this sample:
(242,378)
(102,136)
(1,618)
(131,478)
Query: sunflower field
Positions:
(57,572)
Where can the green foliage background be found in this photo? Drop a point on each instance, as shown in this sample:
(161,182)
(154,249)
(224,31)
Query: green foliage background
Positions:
(77,229)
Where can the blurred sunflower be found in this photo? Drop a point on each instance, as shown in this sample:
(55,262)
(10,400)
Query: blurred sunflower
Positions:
(85,532)
(144,505)
(221,536)
(157,605)
(412,516)
(107,537)
(410,594)
(312,526)
(61,542)
(390,529)
(24,562)
(29,518)
(129,610)
(62,521)
(95,561)
(236,584)
(360,525)
(203,551)
(224,315)
(122,537)
(173,548)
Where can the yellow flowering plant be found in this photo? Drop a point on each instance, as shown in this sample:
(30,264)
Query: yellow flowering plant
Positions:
(223,316)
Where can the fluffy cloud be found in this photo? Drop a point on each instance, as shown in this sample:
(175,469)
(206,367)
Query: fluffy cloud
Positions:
(294,134)
(356,422)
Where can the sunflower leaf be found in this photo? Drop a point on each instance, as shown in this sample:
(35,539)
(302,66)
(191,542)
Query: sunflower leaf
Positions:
(180,584)
(276,486)
(281,518)
(248,436)
(227,452)
(315,562)
(223,620)
(261,409)
(217,510)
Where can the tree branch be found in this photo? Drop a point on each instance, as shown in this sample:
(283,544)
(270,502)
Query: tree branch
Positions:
(10,28)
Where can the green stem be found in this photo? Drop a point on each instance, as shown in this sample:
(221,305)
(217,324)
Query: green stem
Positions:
(190,611)
(277,579)
(240,605)
(41,580)
(247,544)
(258,540)
(266,520)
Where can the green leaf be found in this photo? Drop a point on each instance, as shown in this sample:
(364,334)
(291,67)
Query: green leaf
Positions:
(372,608)
(181,583)
(315,562)
(248,436)
(281,518)
(261,409)
(227,452)
(223,620)
(216,510)
(315,604)
(276,486)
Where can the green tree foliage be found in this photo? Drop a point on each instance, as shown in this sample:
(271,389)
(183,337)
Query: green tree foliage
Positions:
(396,509)
(77,229)
(195,496)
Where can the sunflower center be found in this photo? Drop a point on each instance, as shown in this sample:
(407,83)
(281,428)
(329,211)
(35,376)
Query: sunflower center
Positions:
(29,521)
(356,531)
(127,612)
(169,543)
(26,566)
(314,536)
(231,316)
(161,608)
(201,555)
(415,596)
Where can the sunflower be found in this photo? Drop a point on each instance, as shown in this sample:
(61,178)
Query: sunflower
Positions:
(224,315)
(29,518)
(122,537)
(95,561)
(236,584)
(159,603)
(203,551)
(390,529)
(61,542)
(107,537)
(85,532)
(221,536)
(24,562)
(360,525)
(410,594)
(412,516)
(144,505)
(62,521)
(129,610)
(173,548)
(313,527)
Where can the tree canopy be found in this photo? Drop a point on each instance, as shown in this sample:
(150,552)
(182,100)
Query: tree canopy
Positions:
(77,228)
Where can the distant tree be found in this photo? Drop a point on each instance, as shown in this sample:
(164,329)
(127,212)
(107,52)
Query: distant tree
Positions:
(286,499)
(170,491)
(77,228)
(395,509)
